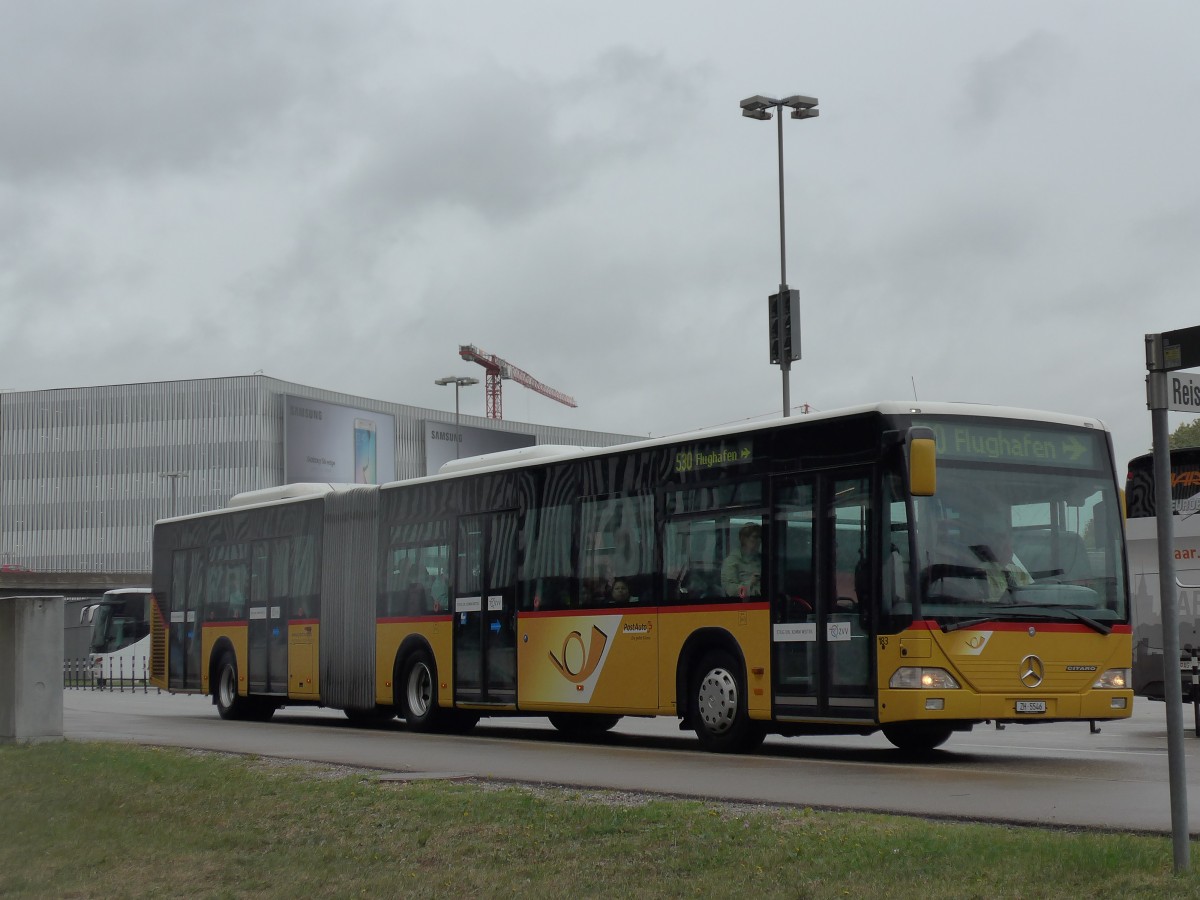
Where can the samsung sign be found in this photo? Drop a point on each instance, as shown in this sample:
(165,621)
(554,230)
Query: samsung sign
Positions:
(326,442)
(444,442)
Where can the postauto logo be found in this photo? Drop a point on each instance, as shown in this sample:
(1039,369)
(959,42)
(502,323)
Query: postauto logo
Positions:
(577,662)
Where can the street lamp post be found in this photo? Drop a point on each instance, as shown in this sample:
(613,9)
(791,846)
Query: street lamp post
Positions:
(784,310)
(459,382)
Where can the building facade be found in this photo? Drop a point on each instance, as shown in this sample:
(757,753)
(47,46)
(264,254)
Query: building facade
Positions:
(85,472)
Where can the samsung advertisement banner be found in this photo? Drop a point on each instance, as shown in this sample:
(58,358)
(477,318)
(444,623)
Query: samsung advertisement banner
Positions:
(328,442)
(443,443)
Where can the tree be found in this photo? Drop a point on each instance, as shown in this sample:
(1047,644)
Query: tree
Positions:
(1186,435)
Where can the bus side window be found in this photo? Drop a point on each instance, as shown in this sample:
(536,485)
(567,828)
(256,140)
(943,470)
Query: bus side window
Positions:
(617,549)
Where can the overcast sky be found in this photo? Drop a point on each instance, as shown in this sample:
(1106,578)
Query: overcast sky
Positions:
(998,201)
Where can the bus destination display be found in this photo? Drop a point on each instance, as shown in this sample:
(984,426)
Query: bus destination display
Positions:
(999,443)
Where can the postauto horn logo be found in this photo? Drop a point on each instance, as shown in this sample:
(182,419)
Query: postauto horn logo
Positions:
(579,662)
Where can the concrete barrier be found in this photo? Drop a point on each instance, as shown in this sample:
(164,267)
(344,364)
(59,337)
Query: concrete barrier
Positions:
(31,653)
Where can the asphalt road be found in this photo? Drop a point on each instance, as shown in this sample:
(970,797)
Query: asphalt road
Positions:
(1049,775)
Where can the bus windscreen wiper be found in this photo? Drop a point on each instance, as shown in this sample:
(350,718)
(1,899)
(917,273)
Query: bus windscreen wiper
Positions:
(1000,616)
(971,623)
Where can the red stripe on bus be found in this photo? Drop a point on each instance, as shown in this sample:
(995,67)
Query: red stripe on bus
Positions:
(639,610)
(1039,624)
(718,607)
(591,611)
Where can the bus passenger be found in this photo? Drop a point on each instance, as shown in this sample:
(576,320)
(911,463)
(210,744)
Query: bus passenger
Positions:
(741,573)
(440,590)
(235,581)
(620,592)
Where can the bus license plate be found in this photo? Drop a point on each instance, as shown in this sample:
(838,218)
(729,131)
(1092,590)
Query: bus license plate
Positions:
(1031,706)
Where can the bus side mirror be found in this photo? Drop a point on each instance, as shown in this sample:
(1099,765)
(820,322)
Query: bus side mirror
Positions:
(922,462)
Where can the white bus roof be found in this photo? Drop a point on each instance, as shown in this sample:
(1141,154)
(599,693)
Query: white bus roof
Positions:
(507,459)
(524,456)
(284,493)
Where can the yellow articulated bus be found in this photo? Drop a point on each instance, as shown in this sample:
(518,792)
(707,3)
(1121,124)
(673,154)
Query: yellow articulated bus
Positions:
(913,570)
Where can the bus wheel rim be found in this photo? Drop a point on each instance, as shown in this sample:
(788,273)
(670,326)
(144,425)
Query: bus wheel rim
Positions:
(420,691)
(226,688)
(718,701)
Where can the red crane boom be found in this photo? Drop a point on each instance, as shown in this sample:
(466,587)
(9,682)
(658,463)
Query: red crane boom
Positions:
(498,369)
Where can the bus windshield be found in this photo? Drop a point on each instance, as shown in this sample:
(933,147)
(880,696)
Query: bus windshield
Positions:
(118,623)
(1020,543)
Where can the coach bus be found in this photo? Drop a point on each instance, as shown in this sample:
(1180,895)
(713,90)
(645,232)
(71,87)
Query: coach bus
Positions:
(1142,535)
(911,570)
(119,648)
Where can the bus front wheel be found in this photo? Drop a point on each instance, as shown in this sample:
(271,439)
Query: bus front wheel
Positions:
(583,725)
(917,738)
(719,713)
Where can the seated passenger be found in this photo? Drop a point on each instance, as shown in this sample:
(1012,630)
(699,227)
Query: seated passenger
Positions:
(620,592)
(741,573)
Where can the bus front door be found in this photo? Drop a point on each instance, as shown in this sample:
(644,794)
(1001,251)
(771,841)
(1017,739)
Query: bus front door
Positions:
(485,644)
(820,574)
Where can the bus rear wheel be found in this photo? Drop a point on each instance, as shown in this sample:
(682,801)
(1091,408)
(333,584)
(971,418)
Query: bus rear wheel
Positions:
(718,706)
(917,738)
(229,704)
(420,707)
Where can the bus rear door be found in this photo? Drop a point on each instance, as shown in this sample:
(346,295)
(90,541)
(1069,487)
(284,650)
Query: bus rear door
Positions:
(268,633)
(485,642)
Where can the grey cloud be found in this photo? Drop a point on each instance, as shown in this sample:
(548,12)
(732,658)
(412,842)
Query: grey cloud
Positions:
(998,84)
(143,86)
(503,145)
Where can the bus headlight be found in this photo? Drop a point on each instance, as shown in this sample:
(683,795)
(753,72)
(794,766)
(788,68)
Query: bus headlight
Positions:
(1113,680)
(919,677)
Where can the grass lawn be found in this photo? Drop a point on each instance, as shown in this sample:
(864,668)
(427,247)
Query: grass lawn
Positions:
(109,820)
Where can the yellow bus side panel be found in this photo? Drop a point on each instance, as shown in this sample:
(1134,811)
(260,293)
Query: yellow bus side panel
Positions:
(237,636)
(304,641)
(388,638)
(604,662)
(749,626)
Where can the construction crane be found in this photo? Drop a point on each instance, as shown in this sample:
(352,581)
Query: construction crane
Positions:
(498,369)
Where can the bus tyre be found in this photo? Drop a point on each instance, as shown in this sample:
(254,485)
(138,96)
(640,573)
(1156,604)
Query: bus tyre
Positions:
(583,725)
(419,696)
(229,704)
(457,721)
(917,739)
(718,706)
(264,711)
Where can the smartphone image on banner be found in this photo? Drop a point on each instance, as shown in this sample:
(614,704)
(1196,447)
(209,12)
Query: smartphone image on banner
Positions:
(364,451)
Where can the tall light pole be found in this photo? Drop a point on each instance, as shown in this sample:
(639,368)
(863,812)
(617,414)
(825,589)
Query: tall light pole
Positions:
(459,382)
(784,308)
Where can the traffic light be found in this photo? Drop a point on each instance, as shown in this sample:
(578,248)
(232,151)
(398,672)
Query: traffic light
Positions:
(783,317)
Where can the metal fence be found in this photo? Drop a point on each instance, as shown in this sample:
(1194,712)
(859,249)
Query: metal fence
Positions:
(111,675)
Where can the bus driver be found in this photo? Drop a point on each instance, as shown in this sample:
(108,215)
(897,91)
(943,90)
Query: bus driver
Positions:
(741,573)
